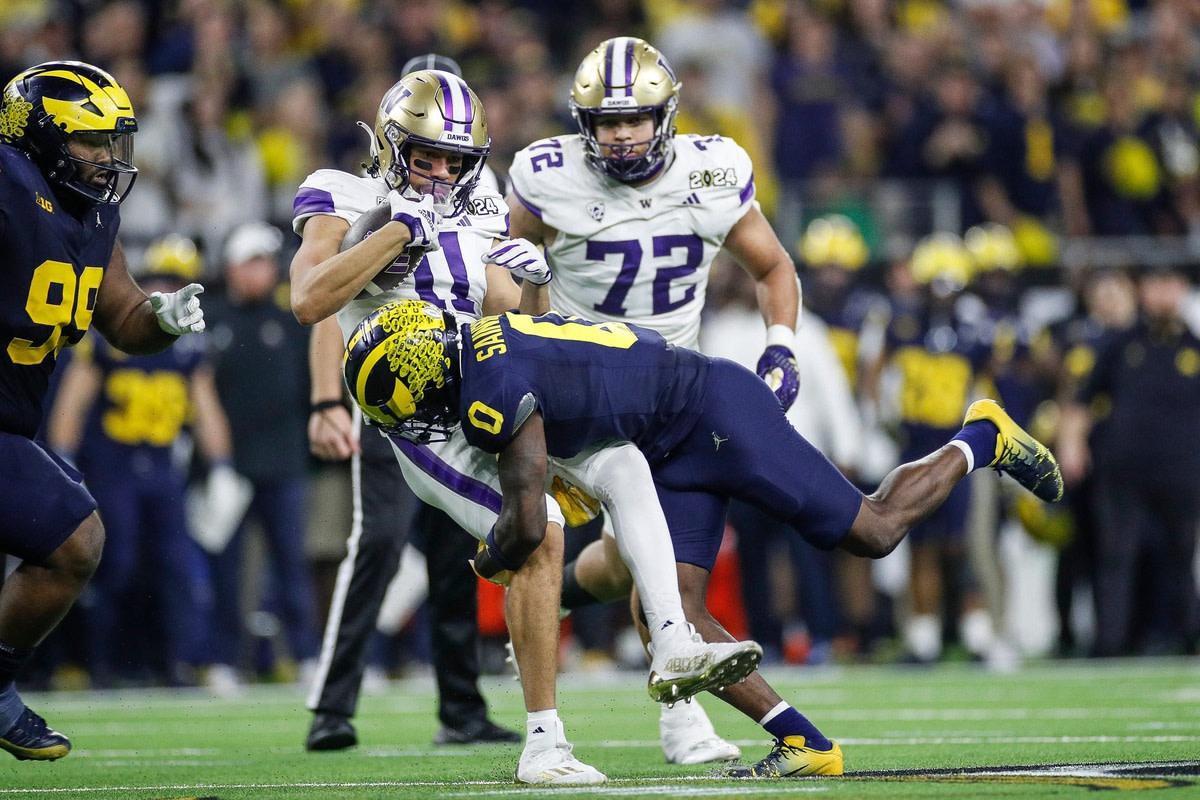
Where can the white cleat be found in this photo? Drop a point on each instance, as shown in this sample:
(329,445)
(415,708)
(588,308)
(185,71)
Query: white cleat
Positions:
(556,765)
(685,665)
(688,736)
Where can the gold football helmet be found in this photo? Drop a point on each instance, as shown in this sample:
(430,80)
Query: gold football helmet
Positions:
(174,256)
(833,240)
(941,261)
(46,107)
(993,246)
(400,367)
(435,109)
(626,76)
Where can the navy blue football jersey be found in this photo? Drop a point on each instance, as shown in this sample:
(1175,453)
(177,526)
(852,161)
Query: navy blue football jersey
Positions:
(592,382)
(51,264)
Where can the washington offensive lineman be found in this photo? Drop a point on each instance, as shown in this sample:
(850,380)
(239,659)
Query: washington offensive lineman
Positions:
(529,389)
(631,216)
(66,163)
(440,242)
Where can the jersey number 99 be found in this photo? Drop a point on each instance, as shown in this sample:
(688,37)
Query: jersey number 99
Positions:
(56,298)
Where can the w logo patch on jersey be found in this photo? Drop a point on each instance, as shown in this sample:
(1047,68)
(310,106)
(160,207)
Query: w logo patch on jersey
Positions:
(596,210)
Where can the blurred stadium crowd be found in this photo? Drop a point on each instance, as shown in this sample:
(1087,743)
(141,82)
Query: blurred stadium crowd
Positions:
(1018,174)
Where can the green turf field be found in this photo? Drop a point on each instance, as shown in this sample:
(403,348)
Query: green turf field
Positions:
(950,732)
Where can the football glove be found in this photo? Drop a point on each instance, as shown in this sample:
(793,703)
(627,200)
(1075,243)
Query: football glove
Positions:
(486,567)
(179,312)
(777,366)
(522,258)
(578,507)
(421,218)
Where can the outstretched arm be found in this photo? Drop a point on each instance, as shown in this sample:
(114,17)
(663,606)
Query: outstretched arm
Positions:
(522,523)
(124,314)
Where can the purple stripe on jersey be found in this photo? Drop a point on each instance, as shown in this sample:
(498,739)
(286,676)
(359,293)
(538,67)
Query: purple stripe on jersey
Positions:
(477,492)
(747,190)
(312,201)
(537,212)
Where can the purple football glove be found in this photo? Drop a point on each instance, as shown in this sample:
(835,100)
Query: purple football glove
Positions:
(421,218)
(778,368)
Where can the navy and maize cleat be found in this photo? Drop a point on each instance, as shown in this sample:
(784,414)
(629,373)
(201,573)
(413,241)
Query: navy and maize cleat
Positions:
(1023,457)
(31,739)
(790,758)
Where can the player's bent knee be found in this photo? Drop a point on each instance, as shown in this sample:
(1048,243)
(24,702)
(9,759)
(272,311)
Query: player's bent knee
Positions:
(79,555)
(549,548)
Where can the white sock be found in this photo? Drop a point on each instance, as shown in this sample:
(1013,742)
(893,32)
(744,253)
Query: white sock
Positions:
(923,636)
(977,630)
(541,729)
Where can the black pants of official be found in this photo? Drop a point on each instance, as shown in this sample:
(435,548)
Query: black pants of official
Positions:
(1146,598)
(389,512)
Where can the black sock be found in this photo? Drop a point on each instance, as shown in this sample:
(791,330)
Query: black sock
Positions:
(11,661)
(573,595)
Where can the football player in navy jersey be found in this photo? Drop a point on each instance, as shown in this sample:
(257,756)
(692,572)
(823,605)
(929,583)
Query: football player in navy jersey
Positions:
(539,389)
(66,148)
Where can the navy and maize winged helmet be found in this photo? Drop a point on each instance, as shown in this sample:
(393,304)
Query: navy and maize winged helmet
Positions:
(626,75)
(46,106)
(401,368)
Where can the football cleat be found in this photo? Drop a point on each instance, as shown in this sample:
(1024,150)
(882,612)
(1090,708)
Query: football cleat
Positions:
(685,665)
(555,765)
(688,737)
(791,759)
(31,739)
(1023,457)
(330,731)
(476,732)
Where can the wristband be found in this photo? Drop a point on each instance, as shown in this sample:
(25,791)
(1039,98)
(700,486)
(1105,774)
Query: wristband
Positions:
(781,335)
(323,405)
(497,556)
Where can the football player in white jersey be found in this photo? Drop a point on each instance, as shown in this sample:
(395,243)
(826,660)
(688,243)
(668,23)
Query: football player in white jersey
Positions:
(440,240)
(631,216)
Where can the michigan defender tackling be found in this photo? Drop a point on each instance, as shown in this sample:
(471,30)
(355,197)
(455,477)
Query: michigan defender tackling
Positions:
(532,388)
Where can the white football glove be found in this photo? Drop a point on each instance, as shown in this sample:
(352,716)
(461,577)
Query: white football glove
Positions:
(179,312)
(422,219)
(522,258)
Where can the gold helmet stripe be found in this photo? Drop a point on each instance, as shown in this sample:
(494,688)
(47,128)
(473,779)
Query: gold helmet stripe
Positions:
(107,105)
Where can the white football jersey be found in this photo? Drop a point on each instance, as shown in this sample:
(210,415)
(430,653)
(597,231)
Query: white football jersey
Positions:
(636,254)
(453,278)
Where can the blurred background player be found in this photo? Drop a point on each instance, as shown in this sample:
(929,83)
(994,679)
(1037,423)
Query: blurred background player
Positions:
(385,511)
(66,140)
(934,361)
(632,230)
(255,342)
(125,422)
